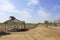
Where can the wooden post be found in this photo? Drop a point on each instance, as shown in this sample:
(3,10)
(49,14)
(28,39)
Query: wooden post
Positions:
(24,24)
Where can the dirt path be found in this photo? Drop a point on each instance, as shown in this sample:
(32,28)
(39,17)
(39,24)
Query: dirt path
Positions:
(39,33)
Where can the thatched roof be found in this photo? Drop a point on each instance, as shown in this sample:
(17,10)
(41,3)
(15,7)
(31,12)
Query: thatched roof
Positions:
(13,19)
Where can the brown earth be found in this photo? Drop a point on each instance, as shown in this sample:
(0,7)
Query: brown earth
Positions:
(39,33)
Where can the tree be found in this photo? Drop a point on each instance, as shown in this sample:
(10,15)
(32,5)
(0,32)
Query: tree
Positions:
(46,22)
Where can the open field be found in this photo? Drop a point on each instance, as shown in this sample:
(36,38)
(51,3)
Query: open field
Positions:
(39,33)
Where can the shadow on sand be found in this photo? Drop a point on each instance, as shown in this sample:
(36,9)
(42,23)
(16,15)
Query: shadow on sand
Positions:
(24,30)
(19,30)
(4,33)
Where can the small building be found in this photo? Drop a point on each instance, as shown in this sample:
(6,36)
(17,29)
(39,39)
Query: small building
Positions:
(13,24)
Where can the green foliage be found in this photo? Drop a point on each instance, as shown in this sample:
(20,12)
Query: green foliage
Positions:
(50,23)
(46,22)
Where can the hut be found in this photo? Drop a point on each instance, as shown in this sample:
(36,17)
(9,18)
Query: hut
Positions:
(14,24)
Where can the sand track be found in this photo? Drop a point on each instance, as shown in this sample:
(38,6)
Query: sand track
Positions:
(39,33)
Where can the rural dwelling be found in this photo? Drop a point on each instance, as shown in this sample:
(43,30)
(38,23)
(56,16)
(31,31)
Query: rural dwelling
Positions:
(13,24)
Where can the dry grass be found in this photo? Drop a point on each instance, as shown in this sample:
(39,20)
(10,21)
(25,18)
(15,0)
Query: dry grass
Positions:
(39,33)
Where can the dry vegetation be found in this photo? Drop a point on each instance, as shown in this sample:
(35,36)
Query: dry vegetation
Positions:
(39,33)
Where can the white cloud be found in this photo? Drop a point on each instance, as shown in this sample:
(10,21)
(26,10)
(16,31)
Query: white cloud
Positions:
(26,15)
(6,6)
(32,2)
(7,9)
(43,15)
(3,16)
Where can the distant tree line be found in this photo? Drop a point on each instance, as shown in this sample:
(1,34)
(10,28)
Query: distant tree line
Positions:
(54,23)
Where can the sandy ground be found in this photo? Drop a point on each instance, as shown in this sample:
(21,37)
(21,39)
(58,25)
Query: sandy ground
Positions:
(39,33)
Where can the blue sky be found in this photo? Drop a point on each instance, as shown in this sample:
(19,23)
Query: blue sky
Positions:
(30,11)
